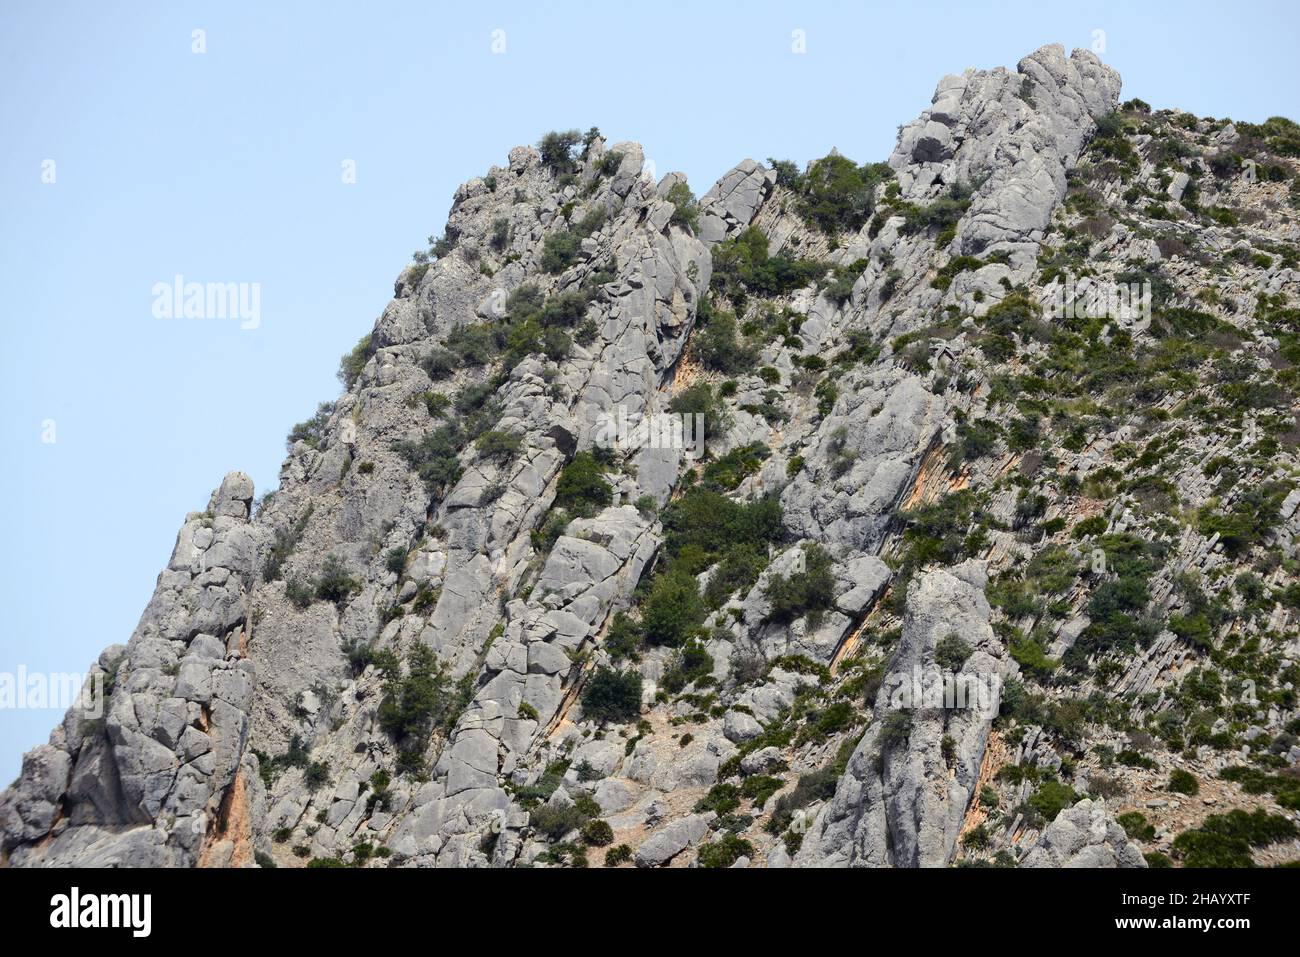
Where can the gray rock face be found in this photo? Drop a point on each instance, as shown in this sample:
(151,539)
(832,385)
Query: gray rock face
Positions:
(674,838)
(1084,835)
(901,800)
(734,200)
(141,784)
(865,455)
(248,702)
(1015,134)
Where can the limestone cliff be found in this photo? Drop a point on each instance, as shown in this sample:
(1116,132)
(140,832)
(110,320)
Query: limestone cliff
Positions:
(479,624)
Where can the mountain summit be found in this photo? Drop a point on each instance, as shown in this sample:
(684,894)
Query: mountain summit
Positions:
(929,511)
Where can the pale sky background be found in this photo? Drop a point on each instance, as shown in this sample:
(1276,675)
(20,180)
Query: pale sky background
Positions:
(226,167)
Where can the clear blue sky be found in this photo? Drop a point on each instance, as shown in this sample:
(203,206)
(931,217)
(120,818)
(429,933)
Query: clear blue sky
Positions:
(226,166)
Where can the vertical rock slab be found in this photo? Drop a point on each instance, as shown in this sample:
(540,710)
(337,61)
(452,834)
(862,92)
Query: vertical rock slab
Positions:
(902,798)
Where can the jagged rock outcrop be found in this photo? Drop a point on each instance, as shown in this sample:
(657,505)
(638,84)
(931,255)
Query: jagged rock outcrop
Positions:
(1016,135)
(904,794)
(734,200)
(139,779)
(932,495)
(1084,836)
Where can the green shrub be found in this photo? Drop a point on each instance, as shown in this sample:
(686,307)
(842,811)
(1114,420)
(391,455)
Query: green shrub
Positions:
(524,302)
(827,721)
(395,560)
(1249,519)
(610,162)
(598,833)
(555,821)
(334,584)
(699,399)
(734,467)
(1135,826)
(705,524)
(440,247)
(623,639)
(283,543)
(686,212)
(951,652)
(351,365)
(817,785)
(1051,799)
(1225,840)
(937,532)
(895,729)
(559,250)
(439,364)
(1285,788)
(758,788)
(737,572)
(619,854)
(316,775)
(1117,607)
(1183,782)
(543,539)
(1095,525)
(313,430)
(1027,652)
(582,488)
(1135,759)
(436,456)
(590,222)
(837,194)
(787,173)
(725,851)
(941,214)
(722,799)
(1199,848)
(500,233)
(612,696)
(564,309)
(414,705)
(689,663)
(1257,828)
(809,592)
(718,347)
(673,608)
(977,838)
(975,440)
(299,592)
(557,149)
(474,344)
(741,265)
(501,446)
(1109,126)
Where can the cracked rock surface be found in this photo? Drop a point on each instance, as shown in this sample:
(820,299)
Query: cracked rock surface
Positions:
(951,579)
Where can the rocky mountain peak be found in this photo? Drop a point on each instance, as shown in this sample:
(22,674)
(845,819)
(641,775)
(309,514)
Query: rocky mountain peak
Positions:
(839,517)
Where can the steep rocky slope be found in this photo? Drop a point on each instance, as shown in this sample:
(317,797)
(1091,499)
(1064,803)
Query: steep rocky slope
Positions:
(470,629)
